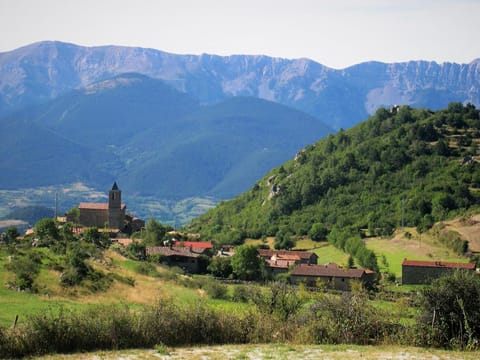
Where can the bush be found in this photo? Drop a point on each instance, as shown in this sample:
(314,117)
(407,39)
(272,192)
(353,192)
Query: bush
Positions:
(451,312)
(146,268)
(221,266)
(216,290)
(26,268)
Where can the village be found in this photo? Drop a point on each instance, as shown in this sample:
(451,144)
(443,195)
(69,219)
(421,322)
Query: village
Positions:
(192,255)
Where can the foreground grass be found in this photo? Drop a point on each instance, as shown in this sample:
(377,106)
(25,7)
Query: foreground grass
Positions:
(275,351)
(147,290)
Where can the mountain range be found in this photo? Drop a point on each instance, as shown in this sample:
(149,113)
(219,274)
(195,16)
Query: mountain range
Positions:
(340,98)
(178,126)
(153,139)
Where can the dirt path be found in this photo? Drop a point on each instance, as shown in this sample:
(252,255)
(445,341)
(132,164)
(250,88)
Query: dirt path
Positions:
(276,351)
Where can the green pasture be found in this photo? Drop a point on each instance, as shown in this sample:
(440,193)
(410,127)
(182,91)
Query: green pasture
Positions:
(395,253)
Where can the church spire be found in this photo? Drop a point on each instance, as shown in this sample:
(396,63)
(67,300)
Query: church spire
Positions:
(115,197)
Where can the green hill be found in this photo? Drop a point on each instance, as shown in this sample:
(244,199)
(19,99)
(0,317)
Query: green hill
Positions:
(400,167)
(153,139)
(30,214)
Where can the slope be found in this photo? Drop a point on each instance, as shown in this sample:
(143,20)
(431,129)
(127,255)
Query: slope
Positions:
(401,167)
(33,154)
(220,150)
(154,139)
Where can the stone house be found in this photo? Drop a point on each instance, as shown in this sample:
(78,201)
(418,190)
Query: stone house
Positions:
(423,272)
(190,258)
(333,276)
(281,261)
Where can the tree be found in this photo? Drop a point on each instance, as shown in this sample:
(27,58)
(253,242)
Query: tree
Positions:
(247,263)
(46,230)
(46,227)
(26,268)
(451,311)
(283,239)
(154,232)
(76,269)
(350,262)
(221,266)
(136,250)
(93,236)
(318,232)
(11,234)
(74,215)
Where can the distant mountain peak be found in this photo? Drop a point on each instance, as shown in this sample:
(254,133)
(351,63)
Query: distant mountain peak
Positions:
(114,82)
(43,71)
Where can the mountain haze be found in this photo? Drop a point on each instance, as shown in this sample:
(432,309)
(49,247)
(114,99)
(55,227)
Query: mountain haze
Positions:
(175,127)
(340,98)
(153,139)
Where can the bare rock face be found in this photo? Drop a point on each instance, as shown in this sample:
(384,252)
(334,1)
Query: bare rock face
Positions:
(274,191)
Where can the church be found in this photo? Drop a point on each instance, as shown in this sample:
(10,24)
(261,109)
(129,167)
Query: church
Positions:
(110,215)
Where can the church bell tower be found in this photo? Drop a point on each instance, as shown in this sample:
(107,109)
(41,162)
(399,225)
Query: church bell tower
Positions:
(115,197)
(116,212)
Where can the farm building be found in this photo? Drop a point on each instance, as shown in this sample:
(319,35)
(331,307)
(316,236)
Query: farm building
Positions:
(423,272)
(280,261)
(188,258)
(331,275)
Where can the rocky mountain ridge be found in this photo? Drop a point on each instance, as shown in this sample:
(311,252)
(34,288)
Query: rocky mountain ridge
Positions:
(42,71)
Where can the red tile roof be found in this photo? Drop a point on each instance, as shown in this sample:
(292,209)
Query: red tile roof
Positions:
(328,271)
(194,244)
(439,264)
(96,206)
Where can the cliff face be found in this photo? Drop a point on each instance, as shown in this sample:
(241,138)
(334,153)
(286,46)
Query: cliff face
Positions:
(340,98)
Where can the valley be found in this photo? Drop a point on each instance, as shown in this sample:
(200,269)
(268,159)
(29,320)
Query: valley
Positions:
(280,199)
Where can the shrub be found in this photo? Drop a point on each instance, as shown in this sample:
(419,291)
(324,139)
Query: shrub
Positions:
(221,266)
(245,293)
(146,268)
(348,319)
(451,312)
(216,290)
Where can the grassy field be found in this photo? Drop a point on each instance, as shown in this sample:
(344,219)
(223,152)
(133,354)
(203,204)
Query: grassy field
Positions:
(398,248)
(274,352)
(147,290)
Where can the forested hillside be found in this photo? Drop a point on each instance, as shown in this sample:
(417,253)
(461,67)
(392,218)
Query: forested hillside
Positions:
(402,166)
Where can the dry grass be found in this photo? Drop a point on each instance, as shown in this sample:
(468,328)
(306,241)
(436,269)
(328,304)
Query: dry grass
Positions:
(468,229)
(270,241)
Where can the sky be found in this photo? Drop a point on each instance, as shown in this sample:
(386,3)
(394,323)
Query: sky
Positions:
(336,33)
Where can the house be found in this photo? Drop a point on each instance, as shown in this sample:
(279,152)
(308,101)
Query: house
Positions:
(280,266)
(332,276)
(423,272)
(280,261)
(204,247)
(194,244)
(188,258)
(111,215)
(226,250)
